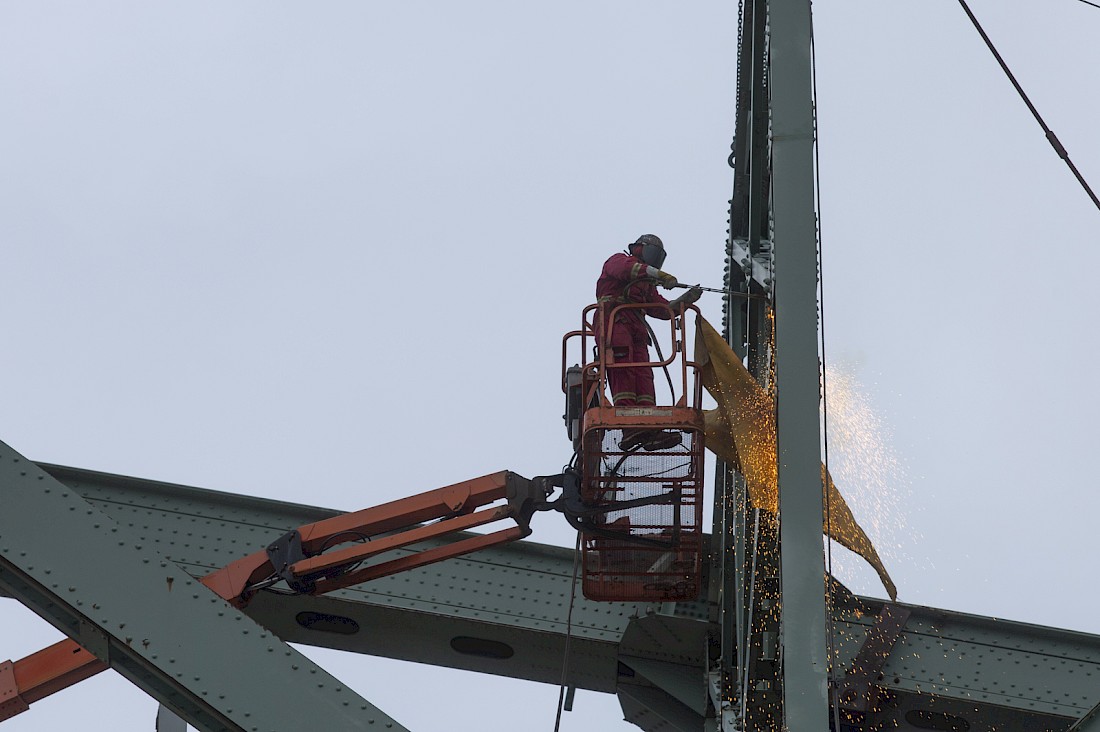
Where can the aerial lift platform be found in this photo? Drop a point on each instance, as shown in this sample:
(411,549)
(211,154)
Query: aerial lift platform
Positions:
(641,499)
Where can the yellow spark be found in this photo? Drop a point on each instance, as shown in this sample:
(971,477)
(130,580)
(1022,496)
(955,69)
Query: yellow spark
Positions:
(874,480)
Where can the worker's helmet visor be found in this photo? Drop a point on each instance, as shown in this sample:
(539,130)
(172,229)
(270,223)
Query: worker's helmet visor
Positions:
(653,250)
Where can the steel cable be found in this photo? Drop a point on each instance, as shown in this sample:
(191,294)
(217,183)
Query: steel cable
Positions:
(1051,137)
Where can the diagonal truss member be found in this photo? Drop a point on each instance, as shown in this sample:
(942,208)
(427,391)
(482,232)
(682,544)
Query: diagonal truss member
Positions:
(155,624)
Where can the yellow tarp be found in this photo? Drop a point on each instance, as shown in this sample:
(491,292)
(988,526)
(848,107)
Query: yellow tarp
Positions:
(741,431)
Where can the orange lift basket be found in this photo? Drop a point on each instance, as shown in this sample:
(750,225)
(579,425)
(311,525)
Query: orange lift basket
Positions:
(641,510)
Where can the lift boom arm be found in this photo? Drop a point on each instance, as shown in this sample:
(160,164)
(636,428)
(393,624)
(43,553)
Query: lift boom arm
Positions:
(306,560)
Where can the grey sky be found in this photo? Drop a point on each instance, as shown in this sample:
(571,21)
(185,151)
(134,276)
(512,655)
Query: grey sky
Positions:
(325,254)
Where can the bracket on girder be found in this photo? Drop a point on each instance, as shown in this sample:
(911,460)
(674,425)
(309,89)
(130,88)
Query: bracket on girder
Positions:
(858,691)
(757,267)
(40,674)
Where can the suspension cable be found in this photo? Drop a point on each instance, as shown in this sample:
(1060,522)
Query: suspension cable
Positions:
(1088,2)
(1051,137)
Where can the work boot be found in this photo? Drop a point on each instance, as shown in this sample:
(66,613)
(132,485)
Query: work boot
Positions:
(661,440)
(633,438)
(648,440)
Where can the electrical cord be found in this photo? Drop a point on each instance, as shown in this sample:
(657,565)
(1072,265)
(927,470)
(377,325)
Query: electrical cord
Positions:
(660,357)
(568,634)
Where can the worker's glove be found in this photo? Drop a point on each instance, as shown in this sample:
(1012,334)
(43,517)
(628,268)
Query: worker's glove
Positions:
(666,280)
(687,298)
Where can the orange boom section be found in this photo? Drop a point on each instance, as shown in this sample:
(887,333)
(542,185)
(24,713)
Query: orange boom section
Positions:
(640,467)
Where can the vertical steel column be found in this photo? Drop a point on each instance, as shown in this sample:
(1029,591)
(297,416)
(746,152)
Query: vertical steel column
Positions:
(805,660)
(748,608)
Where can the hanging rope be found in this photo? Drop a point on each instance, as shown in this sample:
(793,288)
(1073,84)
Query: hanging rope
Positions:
(1051,137)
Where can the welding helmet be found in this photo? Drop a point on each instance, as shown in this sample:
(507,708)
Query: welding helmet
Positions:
(653,250)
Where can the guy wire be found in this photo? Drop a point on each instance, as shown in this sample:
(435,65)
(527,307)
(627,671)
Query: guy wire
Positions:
(1051,137)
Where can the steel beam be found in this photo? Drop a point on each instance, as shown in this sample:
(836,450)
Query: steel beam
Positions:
(43,673)
(153,622)
(805,659)
(746,693)
(982,670)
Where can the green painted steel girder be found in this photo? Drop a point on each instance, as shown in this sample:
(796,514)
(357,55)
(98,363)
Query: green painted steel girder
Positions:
(805,657)
(515,595)
(153,622)
(984,670)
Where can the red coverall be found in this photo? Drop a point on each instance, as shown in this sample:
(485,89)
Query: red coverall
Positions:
(624,280)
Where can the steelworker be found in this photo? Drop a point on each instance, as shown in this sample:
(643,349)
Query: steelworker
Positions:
(632,277)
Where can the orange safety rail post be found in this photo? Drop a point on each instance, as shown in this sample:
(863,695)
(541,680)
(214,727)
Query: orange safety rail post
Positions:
(43,673)
(587,331)
(588,367)
(583,335)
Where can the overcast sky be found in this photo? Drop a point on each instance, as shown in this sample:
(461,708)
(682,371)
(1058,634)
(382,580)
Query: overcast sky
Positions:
(325,254)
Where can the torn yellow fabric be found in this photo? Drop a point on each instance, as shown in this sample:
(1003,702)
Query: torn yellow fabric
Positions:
(741,431)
